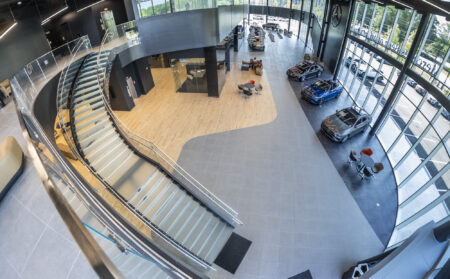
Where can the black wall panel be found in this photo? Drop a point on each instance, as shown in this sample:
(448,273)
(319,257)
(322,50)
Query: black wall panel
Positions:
(86,22)
(24,43)
(335,37)
(178,31)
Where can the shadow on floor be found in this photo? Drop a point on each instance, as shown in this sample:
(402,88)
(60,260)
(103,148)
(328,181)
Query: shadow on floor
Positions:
(377,197)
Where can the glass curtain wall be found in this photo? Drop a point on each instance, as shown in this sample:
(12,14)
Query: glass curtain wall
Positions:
(415,134)
(280,3)
(148,8)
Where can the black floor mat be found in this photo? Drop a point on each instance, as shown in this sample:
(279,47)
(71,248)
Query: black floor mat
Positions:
(233,253)
(303,275)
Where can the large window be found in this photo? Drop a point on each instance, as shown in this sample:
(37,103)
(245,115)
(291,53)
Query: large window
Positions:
(415,133)
(388,28)
(433,61)
(280,3)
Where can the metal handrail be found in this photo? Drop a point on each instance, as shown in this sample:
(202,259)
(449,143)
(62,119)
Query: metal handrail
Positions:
(71,143)
(65,129)
(203,190)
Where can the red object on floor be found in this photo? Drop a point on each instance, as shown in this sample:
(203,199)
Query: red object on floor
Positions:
(367,151)
(252,82)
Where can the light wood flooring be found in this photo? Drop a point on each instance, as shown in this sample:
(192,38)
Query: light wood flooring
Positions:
(169,119)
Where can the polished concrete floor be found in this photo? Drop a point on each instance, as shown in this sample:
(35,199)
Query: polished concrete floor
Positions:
(376,197)
(295,206)
(34,241)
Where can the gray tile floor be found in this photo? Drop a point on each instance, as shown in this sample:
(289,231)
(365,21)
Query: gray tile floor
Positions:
(294,204)
(34,241)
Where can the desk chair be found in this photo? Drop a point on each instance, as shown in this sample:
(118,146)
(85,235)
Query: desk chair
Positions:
(353,158)
(366,173)
(377,167)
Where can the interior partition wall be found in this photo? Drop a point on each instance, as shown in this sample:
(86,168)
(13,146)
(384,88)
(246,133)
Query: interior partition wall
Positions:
(415,132)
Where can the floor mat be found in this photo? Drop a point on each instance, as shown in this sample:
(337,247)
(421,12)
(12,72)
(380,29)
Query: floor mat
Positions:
(233,253)
(303,275)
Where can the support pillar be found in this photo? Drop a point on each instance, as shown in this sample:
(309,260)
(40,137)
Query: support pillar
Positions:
(309,23)
(344,41)
(211,71)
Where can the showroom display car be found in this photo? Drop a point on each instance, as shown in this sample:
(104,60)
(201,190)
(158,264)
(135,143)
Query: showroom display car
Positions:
(322,91)
(304,71)
(345,123)
(271,26)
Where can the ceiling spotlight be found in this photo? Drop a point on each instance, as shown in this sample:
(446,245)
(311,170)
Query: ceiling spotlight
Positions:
(19,3)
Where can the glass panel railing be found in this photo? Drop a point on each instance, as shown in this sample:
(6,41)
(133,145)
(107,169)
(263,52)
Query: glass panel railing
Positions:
(82,211)
(68,129)
(154,153)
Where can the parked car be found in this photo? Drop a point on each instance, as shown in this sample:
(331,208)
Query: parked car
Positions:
(305,70)
(421,90)
(322,91)
(271,26)
(435,103)
(345,123)
(412,83)
(348,61)
(445,114)
(371,73)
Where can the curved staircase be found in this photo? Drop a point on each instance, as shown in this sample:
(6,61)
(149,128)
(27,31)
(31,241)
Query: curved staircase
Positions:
(145,185)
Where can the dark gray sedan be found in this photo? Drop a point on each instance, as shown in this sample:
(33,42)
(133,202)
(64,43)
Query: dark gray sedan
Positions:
(345,123)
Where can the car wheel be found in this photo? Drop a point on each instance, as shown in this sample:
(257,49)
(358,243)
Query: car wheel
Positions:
(344,139)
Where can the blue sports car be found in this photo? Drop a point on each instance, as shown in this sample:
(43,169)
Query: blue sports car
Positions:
(322,91)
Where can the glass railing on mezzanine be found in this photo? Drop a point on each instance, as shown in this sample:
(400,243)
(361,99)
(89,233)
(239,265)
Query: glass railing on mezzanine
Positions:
(68,117)
(93,227)
(151,151)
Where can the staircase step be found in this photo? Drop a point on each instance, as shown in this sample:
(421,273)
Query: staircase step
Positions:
(159,199)
(88,133)
(144,187)
(149,196)
(88,102)
(201,233)
(174,210)
(96,141)
(87,116)
(105,146)
(91,121)
(214,249)
(161,209)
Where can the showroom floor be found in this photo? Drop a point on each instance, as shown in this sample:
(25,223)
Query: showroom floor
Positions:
(295,206)
(377,197)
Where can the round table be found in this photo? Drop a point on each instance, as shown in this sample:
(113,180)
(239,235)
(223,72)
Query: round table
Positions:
(367,161)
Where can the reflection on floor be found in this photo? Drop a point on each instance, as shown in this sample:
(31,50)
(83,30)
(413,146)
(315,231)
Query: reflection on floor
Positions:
(169,120)
(377,198)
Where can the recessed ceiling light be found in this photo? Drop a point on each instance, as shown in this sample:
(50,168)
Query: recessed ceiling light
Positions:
(19,3)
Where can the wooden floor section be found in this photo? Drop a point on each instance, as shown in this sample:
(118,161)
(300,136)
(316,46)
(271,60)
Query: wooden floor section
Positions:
(169,119)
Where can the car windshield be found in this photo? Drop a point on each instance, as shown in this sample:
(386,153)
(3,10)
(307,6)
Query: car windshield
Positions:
(322,85)
(348,116)
(303,66)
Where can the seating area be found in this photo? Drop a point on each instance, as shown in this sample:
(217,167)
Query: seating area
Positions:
(366,167)
(11,164)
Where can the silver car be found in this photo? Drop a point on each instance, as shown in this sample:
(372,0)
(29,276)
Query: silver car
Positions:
(345,123)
